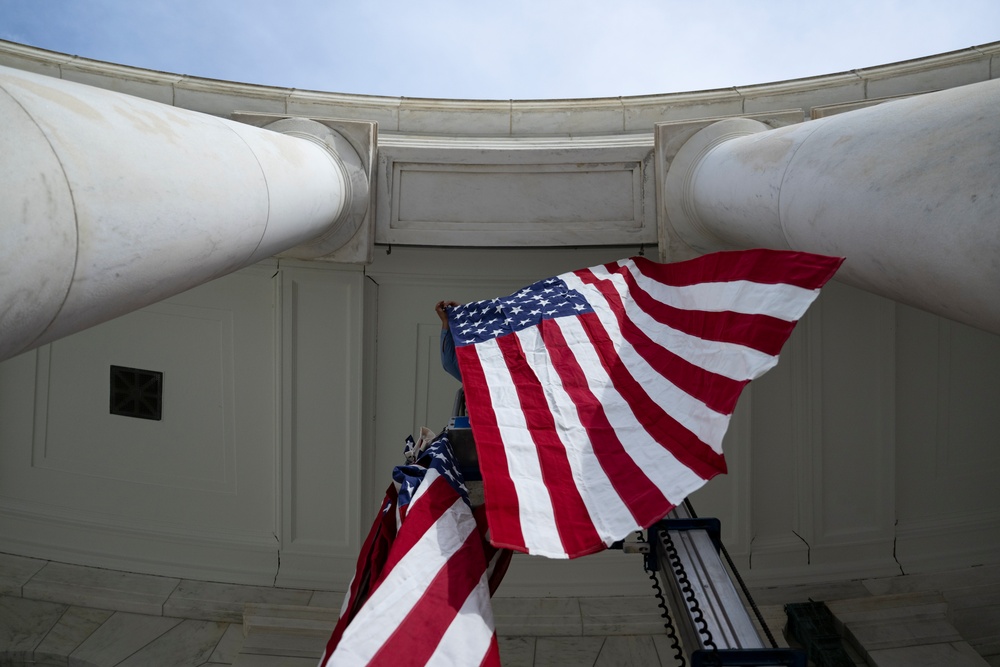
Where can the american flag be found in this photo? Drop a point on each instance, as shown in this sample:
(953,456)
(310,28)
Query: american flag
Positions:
(421,593)
(599,398)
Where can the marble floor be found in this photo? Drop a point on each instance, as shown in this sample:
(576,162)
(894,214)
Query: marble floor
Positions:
(68,615)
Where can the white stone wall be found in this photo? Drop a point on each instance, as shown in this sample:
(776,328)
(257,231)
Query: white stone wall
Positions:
(257,457)
(870,449)
(289,387)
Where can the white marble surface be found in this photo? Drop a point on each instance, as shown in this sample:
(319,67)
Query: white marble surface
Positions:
(101,589)
(120,636)
(287,630)
(305,618)
(189,644)
(900,189)
(24,623)
(453,121)
(517,651)
(628,651)
(537,617)
(938,655)
(900,633)
(285,644)
(329,599)
(229,646)
(567,651)
(73,628)
(250,660)
(124,187)
(476,116)
(516,191)
(157,87)
(621,616)
(15,571)
(929,604)
(225,602)
(666,651)
(954,583)
(905,626)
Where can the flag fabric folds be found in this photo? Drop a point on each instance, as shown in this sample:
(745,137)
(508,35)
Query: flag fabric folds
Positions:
(421,592)
(599,398)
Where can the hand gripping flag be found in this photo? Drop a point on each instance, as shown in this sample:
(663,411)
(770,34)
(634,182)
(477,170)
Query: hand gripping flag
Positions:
(421,593)
(598,399)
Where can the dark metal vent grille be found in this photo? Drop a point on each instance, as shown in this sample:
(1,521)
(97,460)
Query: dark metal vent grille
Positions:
(136,393)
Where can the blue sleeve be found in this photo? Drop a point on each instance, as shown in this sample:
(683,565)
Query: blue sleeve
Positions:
(448,357)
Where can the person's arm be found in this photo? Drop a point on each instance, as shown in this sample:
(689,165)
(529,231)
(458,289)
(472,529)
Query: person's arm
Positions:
(449,360)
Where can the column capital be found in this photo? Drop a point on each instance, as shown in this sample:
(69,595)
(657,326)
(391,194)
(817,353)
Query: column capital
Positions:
(905,190)
(679,149)
(678,192)
(352,145)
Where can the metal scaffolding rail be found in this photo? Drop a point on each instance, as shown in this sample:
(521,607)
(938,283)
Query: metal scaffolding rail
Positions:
(709,615)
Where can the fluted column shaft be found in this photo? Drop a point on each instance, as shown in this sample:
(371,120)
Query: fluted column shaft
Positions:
(908,191)
(110,202)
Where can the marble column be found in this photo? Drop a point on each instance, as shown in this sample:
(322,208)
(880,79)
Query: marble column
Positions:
(908,191)
(110,202)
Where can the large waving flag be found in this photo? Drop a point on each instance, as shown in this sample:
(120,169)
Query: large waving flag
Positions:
(421,593)
(598,399)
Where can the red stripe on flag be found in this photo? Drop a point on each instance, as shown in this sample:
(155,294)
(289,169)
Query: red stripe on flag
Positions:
(419,634)
(370,564)
(718,392)
(502,505)
(492,657)
(644,500)
(432,506)
(685,446)
(573,522)
(760,332)
(801,269)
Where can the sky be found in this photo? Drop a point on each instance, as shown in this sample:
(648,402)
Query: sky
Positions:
(515,49)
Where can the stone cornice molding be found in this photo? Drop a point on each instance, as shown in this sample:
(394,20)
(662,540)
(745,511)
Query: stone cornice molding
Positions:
(516,117)
(399,140)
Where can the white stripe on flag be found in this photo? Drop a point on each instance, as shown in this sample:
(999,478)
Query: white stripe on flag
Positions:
(781,300)
(706,424)
(607,511)
(668,474)
(522,459)
(430,475)
(731,360)
(469,636)
(403,588)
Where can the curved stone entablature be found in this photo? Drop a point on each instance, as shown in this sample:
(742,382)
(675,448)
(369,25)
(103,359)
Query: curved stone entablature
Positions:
(541,173)
(518,173)
(472,118)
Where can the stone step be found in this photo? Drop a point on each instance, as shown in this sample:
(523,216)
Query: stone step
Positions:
(287,630)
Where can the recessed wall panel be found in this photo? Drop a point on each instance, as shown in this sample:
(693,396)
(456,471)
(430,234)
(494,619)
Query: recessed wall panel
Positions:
(191,494)
(191,446)
(855,455)
(969,392)
(516,193)
(528,199)
(322,480)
